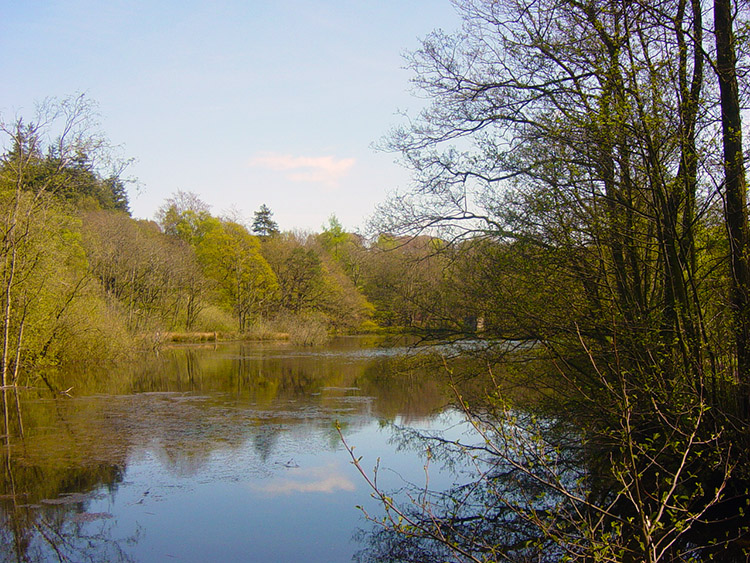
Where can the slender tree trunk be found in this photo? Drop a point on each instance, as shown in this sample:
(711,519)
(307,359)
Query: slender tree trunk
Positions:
(11,255)
(735,200)
(7,305)
(19,342)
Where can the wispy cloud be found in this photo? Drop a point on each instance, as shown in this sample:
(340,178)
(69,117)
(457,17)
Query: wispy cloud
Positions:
(326,170)
(311,480)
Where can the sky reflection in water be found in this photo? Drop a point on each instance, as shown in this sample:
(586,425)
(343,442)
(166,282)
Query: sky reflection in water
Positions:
(226,455)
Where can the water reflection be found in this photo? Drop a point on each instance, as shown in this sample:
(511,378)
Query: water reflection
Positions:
(203,454)
(322,479)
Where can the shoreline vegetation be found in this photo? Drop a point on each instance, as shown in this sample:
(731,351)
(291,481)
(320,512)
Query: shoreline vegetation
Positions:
(167,338)
(82,281)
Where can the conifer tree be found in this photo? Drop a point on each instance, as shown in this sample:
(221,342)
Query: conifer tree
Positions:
(263,223)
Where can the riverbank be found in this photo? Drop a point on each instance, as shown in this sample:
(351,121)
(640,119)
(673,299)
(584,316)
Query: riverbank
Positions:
(197,337)
(188,337)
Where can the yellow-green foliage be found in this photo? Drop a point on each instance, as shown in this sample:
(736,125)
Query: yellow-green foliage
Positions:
(231,256)
(214,318)
(57,313)
(91,333)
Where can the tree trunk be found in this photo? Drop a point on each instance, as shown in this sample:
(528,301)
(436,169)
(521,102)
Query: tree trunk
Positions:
(735,199)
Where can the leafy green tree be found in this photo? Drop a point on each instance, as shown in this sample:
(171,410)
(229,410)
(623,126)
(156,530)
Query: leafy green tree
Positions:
(116,195)
(184,215)
(348,249)
(70,174)
(27,184)
(82,185)
(231,256)
(51,308)
(333,236)
(227,253)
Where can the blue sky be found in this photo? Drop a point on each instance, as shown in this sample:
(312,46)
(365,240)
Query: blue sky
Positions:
(243,103)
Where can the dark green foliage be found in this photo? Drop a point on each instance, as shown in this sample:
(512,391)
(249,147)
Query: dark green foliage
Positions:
(263,223)
(117,195)
(72,179)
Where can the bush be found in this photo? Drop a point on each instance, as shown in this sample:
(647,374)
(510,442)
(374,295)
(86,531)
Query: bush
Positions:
(90,333)
(215,319)
(303,330)
(262,329)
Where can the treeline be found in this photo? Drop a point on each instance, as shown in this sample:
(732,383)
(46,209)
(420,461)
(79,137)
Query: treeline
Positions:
(82,280)
(192,271)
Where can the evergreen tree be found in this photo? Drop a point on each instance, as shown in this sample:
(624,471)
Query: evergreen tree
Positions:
(263,223)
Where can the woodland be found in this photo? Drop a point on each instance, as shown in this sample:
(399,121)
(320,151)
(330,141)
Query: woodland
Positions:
(579,205)
(82,279)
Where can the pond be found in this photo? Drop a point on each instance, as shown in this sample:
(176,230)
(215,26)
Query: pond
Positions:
(226,453)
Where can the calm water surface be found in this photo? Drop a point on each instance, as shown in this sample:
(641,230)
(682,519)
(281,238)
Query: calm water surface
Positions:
(203,454)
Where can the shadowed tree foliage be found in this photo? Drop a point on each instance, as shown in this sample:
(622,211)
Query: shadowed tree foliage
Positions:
(312,281)
(569,151)
(407,281)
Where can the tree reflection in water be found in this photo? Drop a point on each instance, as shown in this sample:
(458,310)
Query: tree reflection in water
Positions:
(43,513)
(229,424)
(549,490)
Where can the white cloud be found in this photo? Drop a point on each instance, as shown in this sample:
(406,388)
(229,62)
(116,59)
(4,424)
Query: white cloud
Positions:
(325,170)
(310,480)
